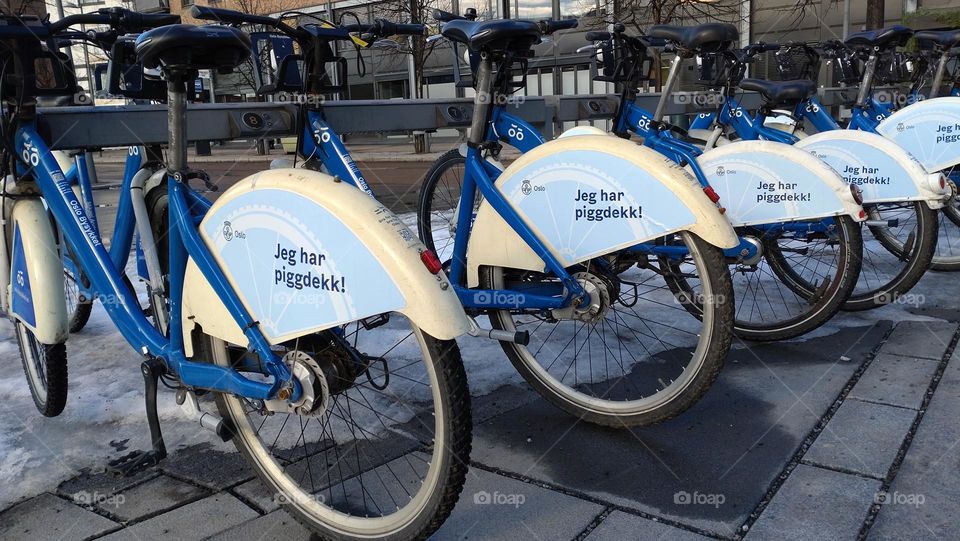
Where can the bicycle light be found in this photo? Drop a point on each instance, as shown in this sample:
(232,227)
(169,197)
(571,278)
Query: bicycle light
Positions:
(857,193)
(431,261)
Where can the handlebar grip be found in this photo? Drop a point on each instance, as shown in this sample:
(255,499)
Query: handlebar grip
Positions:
(229,16)
(389,28)
(552,25)
(138,22)
(598,36)
(82,18)
(445,16)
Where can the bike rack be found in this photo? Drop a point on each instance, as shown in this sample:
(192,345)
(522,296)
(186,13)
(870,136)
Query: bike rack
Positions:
(88,127)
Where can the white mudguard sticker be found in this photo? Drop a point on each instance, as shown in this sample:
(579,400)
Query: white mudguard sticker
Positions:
(585,203)
(929,130)
(762,182)
(883,170)
(295,265)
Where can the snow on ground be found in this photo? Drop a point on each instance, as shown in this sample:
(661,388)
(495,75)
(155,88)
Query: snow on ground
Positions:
(104,416)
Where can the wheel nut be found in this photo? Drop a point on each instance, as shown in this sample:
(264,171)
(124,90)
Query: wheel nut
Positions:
(284,393)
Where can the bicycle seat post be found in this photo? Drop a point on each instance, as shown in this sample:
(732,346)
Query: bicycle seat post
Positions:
(177,118)
(869,68)
(668,86)
(483,102)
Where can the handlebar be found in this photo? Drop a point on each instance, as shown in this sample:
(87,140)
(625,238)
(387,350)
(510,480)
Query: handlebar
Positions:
(550,26)
(230,16)
(379,28)
(119,18)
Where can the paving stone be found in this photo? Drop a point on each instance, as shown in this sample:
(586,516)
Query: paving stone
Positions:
(258,494)
(924,339)
(197,520)
(733,443)
(50,517)
(276,525)
(150,498)
(501,400)
(895,380)
(816,504)
(102,483)
(207,466)
(620,525)
(862,437)
(493,507)
(924,499)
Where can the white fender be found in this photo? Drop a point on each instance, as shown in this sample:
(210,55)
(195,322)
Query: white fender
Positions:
(787,127)
(766,182)
(929,130)
(582,130)
(35,292)
(64,159)
(306,252)
(707,135)
(883,170)
(589,195)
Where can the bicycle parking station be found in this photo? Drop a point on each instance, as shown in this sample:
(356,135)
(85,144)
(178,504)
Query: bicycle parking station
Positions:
(635,245)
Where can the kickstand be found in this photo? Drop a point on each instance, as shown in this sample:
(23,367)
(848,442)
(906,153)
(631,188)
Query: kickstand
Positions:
(137,461)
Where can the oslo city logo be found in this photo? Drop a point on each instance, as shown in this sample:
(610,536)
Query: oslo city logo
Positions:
(526,188)
(721,171)
(227,231)
(901,127)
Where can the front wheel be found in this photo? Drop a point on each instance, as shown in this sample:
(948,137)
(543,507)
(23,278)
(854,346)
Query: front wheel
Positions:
(808,270)
(383,453)
(45,366)
(638,356)
(79,307)
(897,251)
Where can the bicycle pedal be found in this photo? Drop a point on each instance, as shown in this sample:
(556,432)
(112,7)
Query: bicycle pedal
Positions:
(133,463)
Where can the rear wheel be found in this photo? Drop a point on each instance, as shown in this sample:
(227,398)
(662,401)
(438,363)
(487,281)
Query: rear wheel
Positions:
(642,357)
(896,253)
(802,280)
(384,452)
(947,256)
(45,366)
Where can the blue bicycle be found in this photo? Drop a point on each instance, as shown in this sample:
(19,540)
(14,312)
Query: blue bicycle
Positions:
(900,236)
(319,324)
(788,278)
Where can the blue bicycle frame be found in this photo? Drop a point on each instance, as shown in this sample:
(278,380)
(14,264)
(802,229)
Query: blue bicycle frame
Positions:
(186,209)
(321,142)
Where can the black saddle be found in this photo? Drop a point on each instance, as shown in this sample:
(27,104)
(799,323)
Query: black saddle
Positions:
(947,39)
(781,92)
(185,46)
(495,35)
(893,36)
(710,37)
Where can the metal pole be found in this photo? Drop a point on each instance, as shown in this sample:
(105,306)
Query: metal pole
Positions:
(846,19)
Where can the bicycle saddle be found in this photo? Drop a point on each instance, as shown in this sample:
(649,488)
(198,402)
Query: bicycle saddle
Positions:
(495,35)
(945,38)
(781,92)
(892,36)
(708,37)
(185,46)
